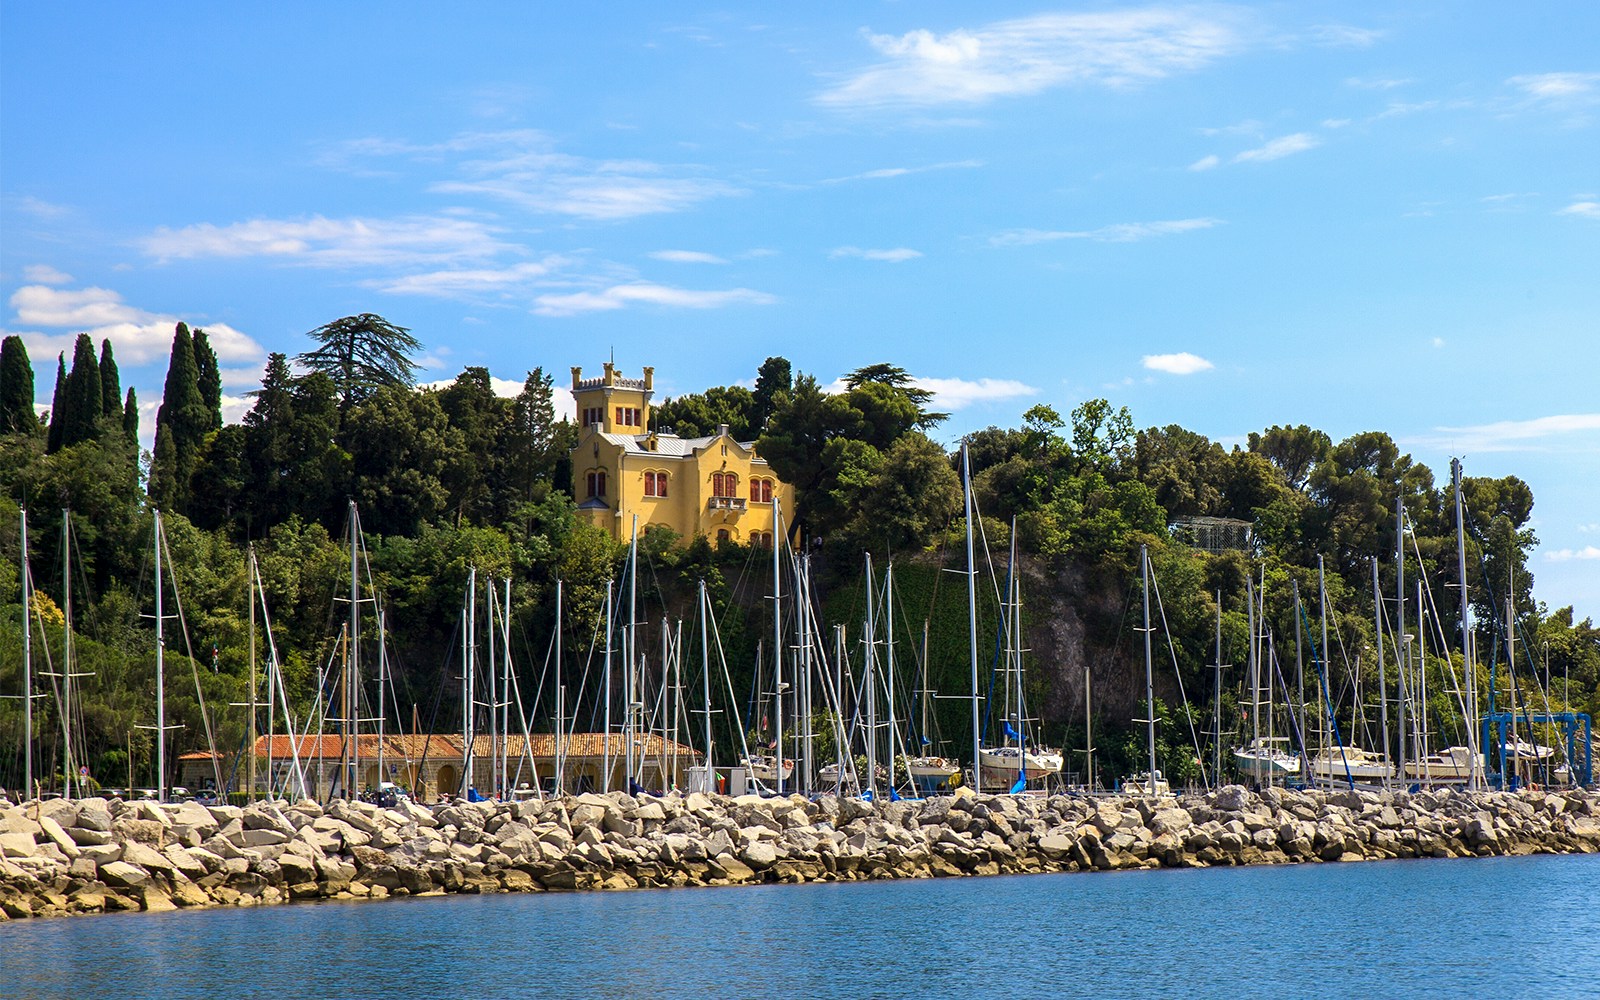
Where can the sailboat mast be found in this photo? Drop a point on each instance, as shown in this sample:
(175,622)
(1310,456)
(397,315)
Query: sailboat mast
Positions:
(871,635)
(1149,668)
(1383,680)
(1402,652)
(888,661)
(630,691)
(469,734)
(161,674)
(27,664)
(250,733)
(777,635)
(705,687)
(1466,630)
(68,771)
(605,779)
(352,684)
(1216,711)
(505,686)
(972,615)
(1322,653)
(561,699)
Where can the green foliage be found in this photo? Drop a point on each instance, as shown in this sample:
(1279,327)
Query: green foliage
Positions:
(362,354)
(699,415)
(182,423)
(208,377)
(58,423)
(110,381)
(16,388)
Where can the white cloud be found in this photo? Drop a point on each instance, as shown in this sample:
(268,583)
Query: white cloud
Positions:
(884,173)
(138,336)
(524,167)
(1437,342)
(469,281)
(1587,528)
(1582,209)
(1249,127)
(1033,54)
(1567,555)
(325,242)
(44,274)
(1205,163)
(505,388)
(620,296)
(1344,35)
(1125,232)
(897,255)
(1376,83)
(951,394)
(1182,363)
(687,257)
(1559,88)
(1331,123)
(1279,148)
(1511,435)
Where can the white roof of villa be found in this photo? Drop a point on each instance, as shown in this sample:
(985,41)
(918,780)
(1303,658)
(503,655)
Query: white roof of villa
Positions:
(670,445)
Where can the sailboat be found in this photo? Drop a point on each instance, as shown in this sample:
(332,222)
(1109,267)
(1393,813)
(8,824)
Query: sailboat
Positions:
(1016,763)
(1152,782)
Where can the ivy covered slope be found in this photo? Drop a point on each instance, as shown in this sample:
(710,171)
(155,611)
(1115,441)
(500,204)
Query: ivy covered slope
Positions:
(453,478)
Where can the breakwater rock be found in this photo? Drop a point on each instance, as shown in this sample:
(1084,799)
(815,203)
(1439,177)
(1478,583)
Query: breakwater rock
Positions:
(93,855)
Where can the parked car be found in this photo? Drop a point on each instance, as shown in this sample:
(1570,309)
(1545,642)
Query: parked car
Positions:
(207,797)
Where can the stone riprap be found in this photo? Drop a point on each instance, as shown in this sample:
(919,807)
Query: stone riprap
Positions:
(62,857)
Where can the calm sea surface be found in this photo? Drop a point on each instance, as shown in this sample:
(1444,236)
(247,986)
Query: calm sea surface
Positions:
(1503,927)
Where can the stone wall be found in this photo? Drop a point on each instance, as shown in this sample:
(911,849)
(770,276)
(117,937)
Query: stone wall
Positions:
(91,856)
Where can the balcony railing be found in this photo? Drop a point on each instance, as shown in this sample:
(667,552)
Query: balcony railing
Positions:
(725,503)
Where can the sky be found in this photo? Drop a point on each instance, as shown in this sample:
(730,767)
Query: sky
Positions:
(1357,216)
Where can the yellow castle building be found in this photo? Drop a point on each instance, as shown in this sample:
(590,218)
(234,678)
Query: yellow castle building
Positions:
(714,486)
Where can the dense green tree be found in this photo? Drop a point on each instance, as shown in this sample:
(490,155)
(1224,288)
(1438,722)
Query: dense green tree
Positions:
(899,380)
(361,354)
(81,399)
(775,376)
(58,423)
(208,377)
(477,464)
(1187,471)
(530,438)
(130,417)
(16,388)
(182,423)
(699,414)
(110,381)
(1296,451)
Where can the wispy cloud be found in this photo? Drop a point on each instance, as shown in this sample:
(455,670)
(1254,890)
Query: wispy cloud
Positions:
(687,257)
(525,168)
(885,173)
(138,336)
(1182,363)
(1559,88)
(898,255)
(1033,54)
(467,282)
(642,293)
(44,274)
(1568,555)
(323,242)
(1344,36)
(1512,435)
(1278,148)
(1376,83)
(1125,232)
(1582,209)
(1206,163)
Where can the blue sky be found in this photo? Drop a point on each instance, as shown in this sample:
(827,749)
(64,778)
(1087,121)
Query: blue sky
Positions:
(1352,215)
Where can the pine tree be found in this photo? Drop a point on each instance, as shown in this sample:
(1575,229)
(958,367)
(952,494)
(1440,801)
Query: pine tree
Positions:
(209,377)
(16,388)
(110,381)
(58,422)
(362,353)
(130,417)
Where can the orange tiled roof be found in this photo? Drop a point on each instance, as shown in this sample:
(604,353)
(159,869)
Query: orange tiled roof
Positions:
(443,745)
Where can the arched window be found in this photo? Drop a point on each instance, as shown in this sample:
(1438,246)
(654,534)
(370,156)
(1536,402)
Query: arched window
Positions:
(760,491)
(722,536)
(596,481)
(655,484)
(724,484)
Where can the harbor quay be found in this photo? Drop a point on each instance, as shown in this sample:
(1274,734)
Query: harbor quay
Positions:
(95,855)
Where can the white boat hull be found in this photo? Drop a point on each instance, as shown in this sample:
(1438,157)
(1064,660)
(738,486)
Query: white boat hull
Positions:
(1009,760)
(766,768)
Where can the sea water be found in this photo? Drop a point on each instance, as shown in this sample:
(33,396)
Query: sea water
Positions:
(1494,927)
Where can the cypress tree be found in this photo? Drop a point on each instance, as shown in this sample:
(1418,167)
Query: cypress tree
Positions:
(110,381)
(16,388)
(57,422)
(83,394)
(209,377)
(130,417)
(181,426)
